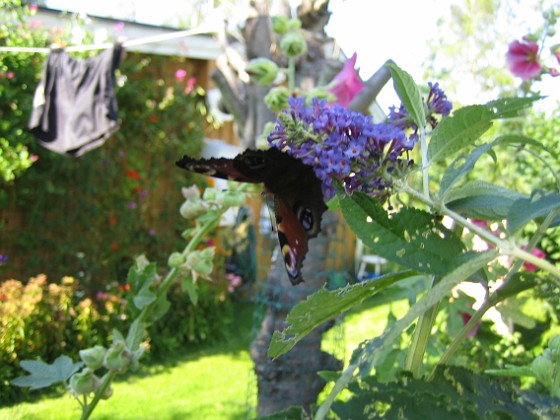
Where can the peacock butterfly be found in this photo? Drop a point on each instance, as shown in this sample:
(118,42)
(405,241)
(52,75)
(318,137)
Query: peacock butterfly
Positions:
(292,191)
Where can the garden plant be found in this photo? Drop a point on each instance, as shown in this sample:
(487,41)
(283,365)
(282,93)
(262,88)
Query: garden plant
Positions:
(413,191)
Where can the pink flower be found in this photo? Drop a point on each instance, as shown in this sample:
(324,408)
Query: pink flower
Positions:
(523,60)
(180,75)
(539,253)
(466,317)
(346,84)
(10,75)
(191,82)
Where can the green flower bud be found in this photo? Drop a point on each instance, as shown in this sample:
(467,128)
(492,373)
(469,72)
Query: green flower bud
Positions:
(319,93)
(543,367)
(210,194)
(231,199)
(294,24)
(191,209)
(293,44)
(201,261)
(117,357)
(108,393)
(262,140)
(263,70)
(93,357)
(280,24)
(176,259)
(531,37)
(277,98)
(84,382)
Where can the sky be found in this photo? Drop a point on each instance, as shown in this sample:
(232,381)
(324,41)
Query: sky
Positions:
(377,30)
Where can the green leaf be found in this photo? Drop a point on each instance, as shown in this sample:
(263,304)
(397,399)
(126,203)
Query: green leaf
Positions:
(291,413)
(368,353)
(510,107)
(409,94)
(43,374)
(524,210)
(468,123)
(518,283)
(454,392)
(324,305)
(410,237)
(481,200)
(144,298)
(188,285)
(512,371)
(459,131)
(135,335)
(460,167)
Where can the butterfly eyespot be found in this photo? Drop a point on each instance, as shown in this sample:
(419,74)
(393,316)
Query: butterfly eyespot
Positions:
(306,219)
(290,260)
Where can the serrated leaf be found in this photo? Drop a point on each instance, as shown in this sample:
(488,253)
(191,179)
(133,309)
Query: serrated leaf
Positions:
(481,200)
(135,335)
(43,374)
(410,237)
(538,205)
(368,352)
(408,94)
(324,305)
(459,131)
(510,107)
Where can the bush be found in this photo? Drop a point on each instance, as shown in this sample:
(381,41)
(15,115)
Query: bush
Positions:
(42,320)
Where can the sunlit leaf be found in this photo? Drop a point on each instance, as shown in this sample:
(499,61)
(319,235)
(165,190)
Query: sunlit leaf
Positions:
(410,237)
(324,305)
(408,94)
(526,209)
(43,374)
(481,200)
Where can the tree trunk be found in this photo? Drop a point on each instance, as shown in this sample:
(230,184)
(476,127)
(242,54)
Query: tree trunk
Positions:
(291,379)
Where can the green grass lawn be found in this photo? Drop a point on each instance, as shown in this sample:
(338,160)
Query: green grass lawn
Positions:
(214,382)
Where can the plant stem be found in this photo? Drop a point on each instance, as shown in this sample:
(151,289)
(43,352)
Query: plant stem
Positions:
(291,74)
(477,316)
(105,383)
(420,339)
(505,247)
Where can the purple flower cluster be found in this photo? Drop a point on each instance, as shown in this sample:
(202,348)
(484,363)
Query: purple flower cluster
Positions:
(436,103)
(342,145)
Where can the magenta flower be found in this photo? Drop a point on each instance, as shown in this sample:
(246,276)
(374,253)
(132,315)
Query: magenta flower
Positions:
(180,75)
(346,84)
(191,82)
(539,253)
(523,59)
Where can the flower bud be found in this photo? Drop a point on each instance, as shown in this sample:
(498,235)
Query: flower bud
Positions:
(191,209)
(293,44)
(210,194)
(277,98)
(93,357)
(191,192)
(84,382)
(231,199)
(108,393)
(543,367)
(263,70)
(280,24)
(294,24)
(176,259)
(117,357)
(201,261)
(320,94)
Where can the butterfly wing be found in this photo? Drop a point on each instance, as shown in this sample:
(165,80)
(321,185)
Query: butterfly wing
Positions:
(297,204)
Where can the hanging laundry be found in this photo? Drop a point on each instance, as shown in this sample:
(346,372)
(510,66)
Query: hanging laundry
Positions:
(75,108)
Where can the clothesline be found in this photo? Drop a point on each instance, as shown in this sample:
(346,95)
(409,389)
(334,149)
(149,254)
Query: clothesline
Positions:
(126,44)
